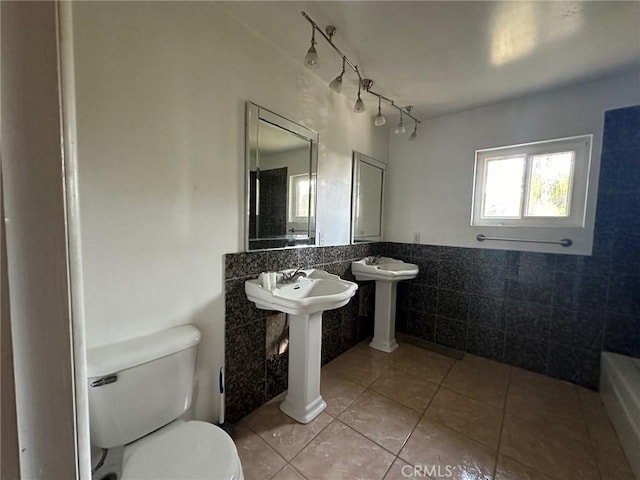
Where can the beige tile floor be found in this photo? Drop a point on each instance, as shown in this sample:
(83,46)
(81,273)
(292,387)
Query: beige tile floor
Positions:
(418,414)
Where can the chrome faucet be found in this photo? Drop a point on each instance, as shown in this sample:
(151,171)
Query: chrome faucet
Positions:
(292,277)
(373,260)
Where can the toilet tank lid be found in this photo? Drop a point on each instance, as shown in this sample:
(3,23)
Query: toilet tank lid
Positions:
(118,356)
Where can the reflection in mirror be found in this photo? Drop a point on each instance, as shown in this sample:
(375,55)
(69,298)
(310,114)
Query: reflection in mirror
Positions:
(367,198)
(281,158)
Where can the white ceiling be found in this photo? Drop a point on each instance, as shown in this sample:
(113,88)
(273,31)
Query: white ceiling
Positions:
(444,57)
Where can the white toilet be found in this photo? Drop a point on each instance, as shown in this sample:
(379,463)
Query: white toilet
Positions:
(137,390)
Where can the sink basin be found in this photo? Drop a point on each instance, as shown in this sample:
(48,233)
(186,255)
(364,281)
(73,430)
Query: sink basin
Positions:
(386,272)
(316,292)
(303,300)
(383,268)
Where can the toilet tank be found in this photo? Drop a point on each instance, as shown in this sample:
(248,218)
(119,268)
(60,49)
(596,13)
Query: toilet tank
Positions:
(136,386)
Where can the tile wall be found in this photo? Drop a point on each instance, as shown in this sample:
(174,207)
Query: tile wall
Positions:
(618,228)
(552,314)
(252,376)
(540,312)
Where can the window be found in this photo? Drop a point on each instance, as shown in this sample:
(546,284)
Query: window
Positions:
(302,197)
(536,184)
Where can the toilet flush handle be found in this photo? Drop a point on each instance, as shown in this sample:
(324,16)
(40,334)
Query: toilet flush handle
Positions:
(104,381)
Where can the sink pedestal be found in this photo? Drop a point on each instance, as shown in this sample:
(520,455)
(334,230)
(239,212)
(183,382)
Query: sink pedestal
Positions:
(384,332)
(303,299)
(304,402)
(386,272)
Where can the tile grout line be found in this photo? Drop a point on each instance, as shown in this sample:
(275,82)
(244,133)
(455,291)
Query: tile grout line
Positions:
(268,446)
(467,397)
(397,455)
(426,408)
(592,443)
(441,386)
(504,415)
(368,389)
(552,307)
(288,462)
(333,419)
(285,466)
(401,404)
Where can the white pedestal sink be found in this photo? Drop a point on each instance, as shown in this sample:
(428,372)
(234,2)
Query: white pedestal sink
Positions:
(386,272)
(303,300)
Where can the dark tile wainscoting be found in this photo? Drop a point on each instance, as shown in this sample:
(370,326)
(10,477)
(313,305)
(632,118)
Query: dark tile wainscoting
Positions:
(540,312)
(253,376)
(553,314)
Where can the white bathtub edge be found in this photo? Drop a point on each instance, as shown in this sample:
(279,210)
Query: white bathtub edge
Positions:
(620,393)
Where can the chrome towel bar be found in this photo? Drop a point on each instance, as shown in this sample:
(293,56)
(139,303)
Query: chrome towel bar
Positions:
(565,242)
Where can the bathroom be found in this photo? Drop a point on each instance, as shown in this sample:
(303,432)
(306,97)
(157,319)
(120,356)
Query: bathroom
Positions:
(160,92)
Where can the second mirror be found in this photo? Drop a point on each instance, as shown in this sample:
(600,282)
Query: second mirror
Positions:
(368,198)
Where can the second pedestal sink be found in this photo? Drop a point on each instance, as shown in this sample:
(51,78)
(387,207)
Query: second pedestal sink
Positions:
(303,298)
(386,272)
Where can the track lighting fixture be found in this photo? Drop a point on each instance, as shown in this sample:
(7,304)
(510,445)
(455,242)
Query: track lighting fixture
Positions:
(311,60)
(379,120)
(336,83)
(399,130)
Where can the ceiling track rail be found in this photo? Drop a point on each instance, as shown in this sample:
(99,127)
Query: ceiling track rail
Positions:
(364,83)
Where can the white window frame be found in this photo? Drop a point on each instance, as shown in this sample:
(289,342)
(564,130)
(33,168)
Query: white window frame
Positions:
(581,145)
(293,200)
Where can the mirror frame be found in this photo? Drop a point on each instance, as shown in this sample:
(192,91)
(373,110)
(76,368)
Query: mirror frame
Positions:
(254,114)
(358,160)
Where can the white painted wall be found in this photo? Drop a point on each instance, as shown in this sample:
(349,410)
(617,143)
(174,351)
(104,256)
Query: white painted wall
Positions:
(161,91)
(430,181)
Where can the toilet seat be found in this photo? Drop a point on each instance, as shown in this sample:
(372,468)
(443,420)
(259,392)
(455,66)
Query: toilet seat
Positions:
(183,450)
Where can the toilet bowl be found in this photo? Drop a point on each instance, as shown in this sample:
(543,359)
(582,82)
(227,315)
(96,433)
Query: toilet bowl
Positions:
(183,450)
(138,389)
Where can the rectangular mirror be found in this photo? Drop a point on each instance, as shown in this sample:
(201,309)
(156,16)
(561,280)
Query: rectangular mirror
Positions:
(367,198)
(281,161)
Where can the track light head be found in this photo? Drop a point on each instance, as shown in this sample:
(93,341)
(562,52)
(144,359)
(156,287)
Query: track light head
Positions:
(311,58)
(414,134)
(359,106)
(399,130)
(336,83)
